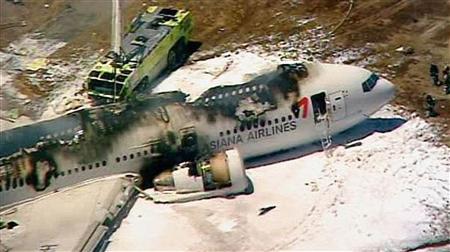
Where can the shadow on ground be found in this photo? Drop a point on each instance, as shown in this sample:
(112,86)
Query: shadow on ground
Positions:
(348,138)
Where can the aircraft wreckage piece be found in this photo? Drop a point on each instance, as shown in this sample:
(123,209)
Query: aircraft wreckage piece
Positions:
(221,175)
(277,110)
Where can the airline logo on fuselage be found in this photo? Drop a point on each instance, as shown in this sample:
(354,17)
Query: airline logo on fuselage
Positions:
(267,130)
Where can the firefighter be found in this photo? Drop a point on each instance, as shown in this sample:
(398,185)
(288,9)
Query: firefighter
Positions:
(446,71)
(447,84)
(430,105)
(434,74)
(446,79)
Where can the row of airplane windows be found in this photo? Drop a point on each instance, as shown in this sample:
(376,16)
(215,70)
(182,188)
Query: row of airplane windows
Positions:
(234,92)
(60,134)
(256,124)
(19,182)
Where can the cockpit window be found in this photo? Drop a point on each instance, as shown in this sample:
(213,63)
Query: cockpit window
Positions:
(370,83)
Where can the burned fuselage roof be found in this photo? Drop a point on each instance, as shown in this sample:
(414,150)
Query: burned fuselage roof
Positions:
(284,80)
(263,90)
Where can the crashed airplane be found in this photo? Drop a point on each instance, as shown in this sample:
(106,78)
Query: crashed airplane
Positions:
(288,105)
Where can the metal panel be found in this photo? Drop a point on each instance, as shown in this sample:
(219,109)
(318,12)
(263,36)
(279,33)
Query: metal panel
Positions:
(337,106)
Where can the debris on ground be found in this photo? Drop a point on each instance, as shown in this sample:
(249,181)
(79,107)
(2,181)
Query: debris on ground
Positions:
(264,210)
(406,50)
(42,85)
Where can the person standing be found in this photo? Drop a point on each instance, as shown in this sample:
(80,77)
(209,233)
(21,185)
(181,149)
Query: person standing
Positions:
(446,79)
(430,105)
(434,74)
(446,71)
(447,84)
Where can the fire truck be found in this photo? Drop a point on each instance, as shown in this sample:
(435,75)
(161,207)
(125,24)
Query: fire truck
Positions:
(155,41)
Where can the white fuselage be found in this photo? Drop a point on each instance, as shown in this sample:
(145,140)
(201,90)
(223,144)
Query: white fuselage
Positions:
(338,88)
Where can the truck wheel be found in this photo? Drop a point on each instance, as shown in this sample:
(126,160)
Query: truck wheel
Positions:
(172,60)
(176,55)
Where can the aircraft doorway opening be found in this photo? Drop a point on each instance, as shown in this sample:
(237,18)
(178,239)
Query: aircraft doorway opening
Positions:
(319,106)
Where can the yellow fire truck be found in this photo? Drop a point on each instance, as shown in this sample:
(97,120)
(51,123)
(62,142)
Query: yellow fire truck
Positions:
(156,40)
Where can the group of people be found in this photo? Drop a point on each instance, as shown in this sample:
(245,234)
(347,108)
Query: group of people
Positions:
(434,74)
(430,101)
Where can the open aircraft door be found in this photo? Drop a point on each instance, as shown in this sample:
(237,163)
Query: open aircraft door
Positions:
(337,106)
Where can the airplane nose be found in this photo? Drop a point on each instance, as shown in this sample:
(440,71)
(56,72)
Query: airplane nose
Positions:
(385,91)
(382,93)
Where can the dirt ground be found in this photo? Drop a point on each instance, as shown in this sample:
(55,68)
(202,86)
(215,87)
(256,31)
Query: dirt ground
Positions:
(387,24)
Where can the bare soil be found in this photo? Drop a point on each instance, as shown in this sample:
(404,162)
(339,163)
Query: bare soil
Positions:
(388,24)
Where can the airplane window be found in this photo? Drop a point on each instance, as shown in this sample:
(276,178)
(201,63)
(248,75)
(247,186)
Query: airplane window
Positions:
(227,94)
(124,158)
(276,121)
(131,156)
(283,119)
(247,89)
(289,117)
(221,134)
(14,183)
(138,153)
(269,122)
(233,93)
(97,165)
(254,88)
(90,167)
(145,152)
(104,163)
(255,124)
(206,100)
(235,131)
(76,169)
(213,98)
(228,132)
(240,91)
(83,168)
(117,159)
(242,127)
(220,96)
(69,171)
(370,83)
(262,123)
(249,125)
